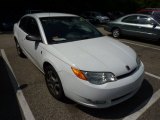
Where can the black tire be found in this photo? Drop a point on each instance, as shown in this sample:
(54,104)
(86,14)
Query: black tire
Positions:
(19,50)
(116,32)
(53,83)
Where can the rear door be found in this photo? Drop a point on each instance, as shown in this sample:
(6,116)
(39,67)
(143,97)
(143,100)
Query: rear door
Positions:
(129,25)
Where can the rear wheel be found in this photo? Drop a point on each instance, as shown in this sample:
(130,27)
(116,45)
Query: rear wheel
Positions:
(53,83)
(116,33)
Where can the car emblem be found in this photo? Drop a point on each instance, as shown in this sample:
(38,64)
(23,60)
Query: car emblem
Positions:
(128,68)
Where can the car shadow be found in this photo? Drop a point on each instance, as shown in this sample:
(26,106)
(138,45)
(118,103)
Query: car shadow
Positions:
(9,108)
(138,101)
(149,41)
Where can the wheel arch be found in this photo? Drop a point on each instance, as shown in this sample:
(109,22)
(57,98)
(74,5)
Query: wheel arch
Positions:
(115,27)
(55,65)
(59,79)
(46,63)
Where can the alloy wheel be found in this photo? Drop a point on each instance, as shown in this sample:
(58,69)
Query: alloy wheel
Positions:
(53,83)
(116,33)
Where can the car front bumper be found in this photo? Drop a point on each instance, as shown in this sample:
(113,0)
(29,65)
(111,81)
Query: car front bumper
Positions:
(101,96)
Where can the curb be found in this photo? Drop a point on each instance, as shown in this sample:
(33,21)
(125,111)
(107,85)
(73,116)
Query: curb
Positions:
(24,107)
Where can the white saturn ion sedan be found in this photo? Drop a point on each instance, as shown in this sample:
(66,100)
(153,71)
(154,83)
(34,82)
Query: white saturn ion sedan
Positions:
(77,60)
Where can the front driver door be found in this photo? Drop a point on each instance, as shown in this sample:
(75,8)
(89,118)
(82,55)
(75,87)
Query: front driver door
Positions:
(148,27)
(31,47)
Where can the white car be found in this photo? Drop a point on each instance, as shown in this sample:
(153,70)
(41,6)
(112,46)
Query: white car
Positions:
(77,60)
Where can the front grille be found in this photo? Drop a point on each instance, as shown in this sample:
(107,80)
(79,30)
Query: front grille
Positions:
(127,74)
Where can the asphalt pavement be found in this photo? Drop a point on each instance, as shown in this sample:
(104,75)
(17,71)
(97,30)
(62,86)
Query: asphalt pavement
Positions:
(44,106)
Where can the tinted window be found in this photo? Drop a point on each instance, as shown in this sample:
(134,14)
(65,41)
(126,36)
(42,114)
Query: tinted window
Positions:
(131,19)
(145,20)
(23,23)
(32,28)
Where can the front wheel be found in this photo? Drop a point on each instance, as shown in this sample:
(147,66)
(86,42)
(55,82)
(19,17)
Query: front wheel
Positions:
(53,83)
(19,50)
(116,33)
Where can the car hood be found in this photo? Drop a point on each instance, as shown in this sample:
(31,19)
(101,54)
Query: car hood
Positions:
(98,54)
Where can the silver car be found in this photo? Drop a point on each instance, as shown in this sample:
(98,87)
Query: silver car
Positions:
(139,25)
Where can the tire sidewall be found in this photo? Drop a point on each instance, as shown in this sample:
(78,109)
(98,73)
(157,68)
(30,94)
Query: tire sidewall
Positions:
(61,95)
(19,50)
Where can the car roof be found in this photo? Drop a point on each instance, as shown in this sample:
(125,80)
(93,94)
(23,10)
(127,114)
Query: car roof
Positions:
(132,15)
(139,14)
(40,15)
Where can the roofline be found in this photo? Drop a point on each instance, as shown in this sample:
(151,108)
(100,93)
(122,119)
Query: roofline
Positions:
(139,14)
(50,14)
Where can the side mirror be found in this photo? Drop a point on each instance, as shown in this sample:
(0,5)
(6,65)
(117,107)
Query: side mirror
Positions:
(33,38)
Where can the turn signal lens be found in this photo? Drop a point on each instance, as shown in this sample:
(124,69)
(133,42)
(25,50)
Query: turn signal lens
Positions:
(78,73)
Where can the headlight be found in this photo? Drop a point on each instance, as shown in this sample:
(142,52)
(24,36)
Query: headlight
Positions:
(138,62)
(100,77)
(97,78)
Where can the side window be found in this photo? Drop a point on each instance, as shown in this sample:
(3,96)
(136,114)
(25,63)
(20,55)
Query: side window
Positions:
(23,24)
(145,20)
(130,19)
(33,27)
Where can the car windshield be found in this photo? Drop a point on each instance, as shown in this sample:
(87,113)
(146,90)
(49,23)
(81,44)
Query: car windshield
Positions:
(65,29)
